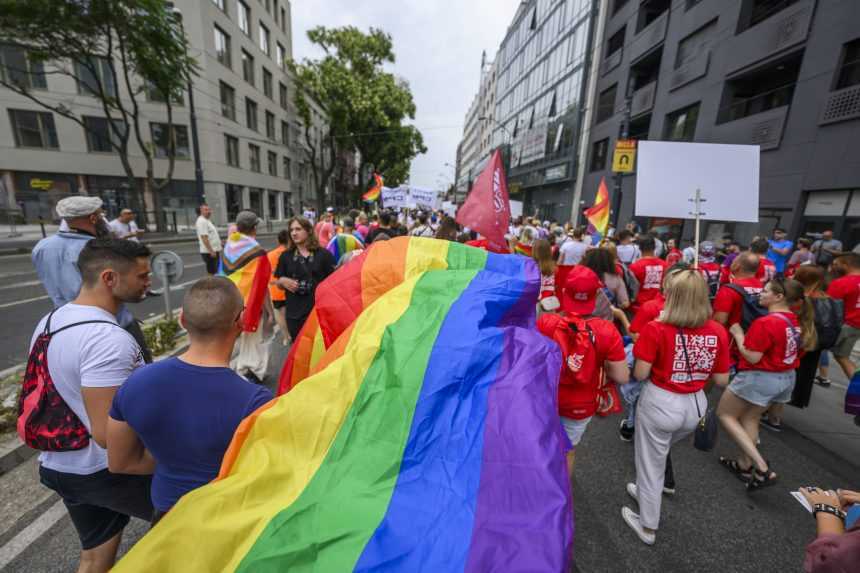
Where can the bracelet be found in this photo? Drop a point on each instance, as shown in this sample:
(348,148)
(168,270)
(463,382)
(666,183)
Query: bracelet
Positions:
(824,508)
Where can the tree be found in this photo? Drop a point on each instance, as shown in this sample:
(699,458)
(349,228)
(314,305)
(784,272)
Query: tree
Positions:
(116,51)
(364,106)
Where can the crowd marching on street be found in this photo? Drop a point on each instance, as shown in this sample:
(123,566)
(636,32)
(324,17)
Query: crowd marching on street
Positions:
(645,324)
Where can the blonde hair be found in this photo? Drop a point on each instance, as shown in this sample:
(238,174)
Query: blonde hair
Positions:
(687,303)
(542,253)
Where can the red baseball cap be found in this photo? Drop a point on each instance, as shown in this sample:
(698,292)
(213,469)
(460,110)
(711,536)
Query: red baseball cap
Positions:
(580,291)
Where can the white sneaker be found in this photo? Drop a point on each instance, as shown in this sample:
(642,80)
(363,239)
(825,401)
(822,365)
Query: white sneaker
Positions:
(632,519)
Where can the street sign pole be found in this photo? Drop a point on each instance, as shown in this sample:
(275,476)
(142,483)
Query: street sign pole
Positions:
(617,194)
(169,268)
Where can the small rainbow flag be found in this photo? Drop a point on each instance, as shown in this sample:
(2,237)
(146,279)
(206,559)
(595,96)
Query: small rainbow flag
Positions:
(523,249)
(598,214)
(373,194)
(342,244)
(246,263)
(427,440)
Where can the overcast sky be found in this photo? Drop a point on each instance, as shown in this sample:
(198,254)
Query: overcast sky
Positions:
(438,45)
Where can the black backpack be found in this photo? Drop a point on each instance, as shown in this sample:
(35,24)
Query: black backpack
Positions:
(631,283)
(751,308)
(828,321)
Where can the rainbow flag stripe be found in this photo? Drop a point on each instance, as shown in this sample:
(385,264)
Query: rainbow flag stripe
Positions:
(343,244)
(375,191)
(598,214)
(245,263)
(429,440)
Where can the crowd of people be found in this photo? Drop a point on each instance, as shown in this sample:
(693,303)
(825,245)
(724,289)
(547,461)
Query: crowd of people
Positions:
(644,327)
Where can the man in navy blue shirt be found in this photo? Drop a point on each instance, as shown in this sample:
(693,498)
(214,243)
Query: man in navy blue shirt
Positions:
(177,417)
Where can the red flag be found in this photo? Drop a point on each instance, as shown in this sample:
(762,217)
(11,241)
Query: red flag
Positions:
(487,210)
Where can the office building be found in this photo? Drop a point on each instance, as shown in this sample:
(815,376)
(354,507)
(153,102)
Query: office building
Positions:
(780,74)
(251,143)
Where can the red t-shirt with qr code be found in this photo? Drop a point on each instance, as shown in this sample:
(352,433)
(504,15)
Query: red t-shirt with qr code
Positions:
(847,289)
(707,348)
(649,271)
(778,341)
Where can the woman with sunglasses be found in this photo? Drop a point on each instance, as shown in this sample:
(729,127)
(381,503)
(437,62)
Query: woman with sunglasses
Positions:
(769,355)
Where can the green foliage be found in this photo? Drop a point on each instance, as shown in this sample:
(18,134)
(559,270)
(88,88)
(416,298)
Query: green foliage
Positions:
(160,336)
(10,388)
(365,105)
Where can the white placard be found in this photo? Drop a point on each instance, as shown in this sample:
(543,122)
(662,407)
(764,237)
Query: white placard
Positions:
(449,208)
(397,198)
(668,174)
(516,209)
(424,198)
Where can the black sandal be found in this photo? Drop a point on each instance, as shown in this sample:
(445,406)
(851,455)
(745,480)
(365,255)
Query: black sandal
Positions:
(761,480)
(732,465)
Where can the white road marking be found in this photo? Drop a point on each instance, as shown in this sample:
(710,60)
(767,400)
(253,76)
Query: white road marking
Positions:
(25,301)
(31,533)
(21,285)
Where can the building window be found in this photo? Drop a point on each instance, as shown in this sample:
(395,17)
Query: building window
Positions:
(618,5)
(282,90)
(251,114)
(849,69)
(154,94)
(283,20)
(681,125)
(228,101)
(761,90)
(18,69)
(288,167)
(691,3)
(231,145)
(282,55)
(95,74)
(285,133)
(248,67)
(272,163)
(34,129)
(244,18)
(161,140)
(267,83)
(695,44)
(222,47)
(254,154)
(100,137)
(264,40)
(761,10)
(220,4)
(616,42)
(606,104)
(599,152)
(270,126)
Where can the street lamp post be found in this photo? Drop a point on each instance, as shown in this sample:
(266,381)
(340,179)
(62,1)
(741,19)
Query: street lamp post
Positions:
(192,114)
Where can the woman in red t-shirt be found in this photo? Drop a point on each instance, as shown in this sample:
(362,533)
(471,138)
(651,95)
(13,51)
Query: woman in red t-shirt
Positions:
(769,354)
(680,352)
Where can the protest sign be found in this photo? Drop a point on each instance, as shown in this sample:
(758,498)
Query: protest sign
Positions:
(395,198)
(424,198)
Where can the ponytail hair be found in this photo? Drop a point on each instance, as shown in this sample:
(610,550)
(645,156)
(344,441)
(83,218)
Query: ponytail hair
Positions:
(795,297)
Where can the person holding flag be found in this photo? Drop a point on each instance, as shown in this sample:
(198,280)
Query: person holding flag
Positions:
(245,263)
(598,214)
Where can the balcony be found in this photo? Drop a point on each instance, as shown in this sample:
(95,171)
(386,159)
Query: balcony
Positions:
(611,62)
(841,105)
(762,129)
(689,72)
(642,100)
(783,30)
(650,37)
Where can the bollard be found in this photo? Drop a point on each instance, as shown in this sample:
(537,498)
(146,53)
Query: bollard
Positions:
(175,228)
(42,226)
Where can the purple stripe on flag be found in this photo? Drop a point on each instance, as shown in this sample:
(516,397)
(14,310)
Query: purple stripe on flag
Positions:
(524,512)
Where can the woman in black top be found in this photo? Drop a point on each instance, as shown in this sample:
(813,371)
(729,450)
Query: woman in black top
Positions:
(301,268)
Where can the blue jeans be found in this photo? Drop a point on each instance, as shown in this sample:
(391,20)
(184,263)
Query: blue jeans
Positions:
(630,391)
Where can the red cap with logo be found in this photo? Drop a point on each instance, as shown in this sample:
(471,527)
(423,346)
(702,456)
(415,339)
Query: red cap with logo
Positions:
(580,291)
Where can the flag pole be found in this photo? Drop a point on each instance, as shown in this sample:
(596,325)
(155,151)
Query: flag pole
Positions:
(697,213)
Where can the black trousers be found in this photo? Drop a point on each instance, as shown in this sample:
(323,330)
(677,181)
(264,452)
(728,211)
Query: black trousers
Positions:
(211,262)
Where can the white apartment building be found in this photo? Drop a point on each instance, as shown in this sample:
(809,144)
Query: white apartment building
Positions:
(251,142)
(478,131)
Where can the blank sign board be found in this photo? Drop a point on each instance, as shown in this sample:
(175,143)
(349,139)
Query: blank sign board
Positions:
(668,174)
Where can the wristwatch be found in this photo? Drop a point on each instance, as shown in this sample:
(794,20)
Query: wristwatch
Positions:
(824,508)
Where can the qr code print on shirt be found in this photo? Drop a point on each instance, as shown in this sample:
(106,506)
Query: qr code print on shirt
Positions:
(653,277)
(791,336)
(702,353)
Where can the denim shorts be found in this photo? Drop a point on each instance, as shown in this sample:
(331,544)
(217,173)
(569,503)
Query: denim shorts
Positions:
(763,388)
(574,428)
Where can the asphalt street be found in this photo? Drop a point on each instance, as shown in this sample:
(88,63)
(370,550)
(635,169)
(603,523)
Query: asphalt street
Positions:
(23,300)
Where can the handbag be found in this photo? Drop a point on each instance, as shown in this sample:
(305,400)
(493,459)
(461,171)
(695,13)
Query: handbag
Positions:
(705,435)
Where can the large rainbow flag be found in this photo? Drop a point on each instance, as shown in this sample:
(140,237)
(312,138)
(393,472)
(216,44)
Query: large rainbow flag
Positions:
(427,439)
(598,214)
(244,262)
(373,194)
(341,244)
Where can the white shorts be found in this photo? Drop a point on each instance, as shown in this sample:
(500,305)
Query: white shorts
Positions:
(574,428)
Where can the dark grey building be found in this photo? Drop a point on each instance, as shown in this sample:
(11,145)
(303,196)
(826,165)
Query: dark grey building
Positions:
(781,74)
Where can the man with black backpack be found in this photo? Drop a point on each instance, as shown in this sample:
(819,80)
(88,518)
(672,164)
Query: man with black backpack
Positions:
(591,347)
(79,356)
(737,301)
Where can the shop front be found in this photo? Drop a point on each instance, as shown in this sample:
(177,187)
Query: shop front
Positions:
(36,194)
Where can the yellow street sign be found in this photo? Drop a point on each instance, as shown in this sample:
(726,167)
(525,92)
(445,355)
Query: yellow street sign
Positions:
(624,157)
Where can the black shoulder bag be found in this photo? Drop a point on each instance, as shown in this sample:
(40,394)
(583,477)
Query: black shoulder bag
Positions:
(705,436)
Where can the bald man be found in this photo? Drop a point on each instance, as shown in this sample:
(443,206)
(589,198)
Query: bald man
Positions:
(176,418)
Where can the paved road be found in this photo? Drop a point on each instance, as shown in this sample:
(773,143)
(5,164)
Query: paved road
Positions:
(23,300)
